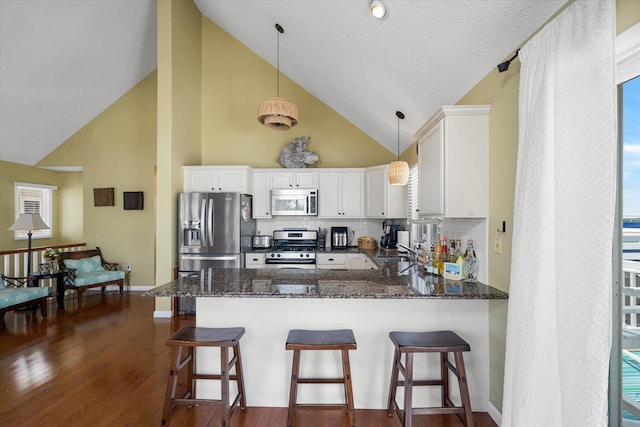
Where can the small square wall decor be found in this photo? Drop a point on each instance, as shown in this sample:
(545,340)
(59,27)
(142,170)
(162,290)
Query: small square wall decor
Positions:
(103,197)
(133,200)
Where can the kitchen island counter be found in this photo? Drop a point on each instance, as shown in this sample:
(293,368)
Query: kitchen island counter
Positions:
(370,302)
(393,281)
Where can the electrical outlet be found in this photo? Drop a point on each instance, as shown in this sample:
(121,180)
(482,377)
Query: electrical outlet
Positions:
(497,246)
(129,268)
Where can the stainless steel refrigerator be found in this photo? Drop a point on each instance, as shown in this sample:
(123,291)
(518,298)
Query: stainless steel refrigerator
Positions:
(214,231)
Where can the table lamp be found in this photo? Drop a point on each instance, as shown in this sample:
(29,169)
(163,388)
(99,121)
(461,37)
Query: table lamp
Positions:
(29,222)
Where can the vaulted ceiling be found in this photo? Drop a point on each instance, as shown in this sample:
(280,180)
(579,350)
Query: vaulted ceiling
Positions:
(62,62)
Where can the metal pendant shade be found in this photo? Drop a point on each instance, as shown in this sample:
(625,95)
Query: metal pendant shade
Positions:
(399,170)
(278,113)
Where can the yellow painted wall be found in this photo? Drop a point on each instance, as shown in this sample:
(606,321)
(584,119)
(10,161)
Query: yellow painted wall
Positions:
(235,81)
(68,185)
(116,149)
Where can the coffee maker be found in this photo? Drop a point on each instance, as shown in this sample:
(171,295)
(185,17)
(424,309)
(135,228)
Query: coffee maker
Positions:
(389,239)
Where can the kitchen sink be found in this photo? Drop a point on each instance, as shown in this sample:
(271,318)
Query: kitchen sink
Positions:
(393,258)
(293,288)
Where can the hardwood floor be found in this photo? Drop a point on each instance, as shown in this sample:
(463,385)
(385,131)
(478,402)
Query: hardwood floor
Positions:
(107,365)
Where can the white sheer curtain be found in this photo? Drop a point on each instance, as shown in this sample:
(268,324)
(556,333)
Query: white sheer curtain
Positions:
(559,321)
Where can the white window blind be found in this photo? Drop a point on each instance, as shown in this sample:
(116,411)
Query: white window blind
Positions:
(412,194)
(34,198)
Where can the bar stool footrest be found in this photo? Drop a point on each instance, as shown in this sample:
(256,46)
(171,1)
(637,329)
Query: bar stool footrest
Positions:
(438,411)
(320,380)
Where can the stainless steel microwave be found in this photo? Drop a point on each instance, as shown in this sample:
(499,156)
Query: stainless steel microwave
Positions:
(294,201)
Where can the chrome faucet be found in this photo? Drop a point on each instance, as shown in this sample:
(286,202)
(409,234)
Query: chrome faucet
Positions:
(413,252)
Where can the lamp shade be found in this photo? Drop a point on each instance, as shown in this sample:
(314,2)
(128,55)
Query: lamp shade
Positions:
(29,222)
(278,113)
(398,173)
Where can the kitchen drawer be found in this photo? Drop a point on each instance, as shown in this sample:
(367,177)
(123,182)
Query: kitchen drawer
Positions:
(253,260)
(328,260)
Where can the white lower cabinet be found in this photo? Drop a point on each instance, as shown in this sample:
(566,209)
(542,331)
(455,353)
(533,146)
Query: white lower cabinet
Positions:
(328,261)
(254,260)
(331,261)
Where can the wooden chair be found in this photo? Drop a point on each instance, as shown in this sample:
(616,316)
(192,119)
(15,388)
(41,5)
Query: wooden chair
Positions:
(342,340)
(442,342)
(190,337)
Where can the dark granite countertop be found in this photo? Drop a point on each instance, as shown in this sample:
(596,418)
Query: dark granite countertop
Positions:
(384,283)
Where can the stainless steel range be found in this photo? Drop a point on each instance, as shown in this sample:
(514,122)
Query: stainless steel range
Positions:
(293,249)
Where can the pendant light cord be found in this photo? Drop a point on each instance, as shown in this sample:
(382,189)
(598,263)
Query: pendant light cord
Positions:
(398,152)
(399,115)
(280,30)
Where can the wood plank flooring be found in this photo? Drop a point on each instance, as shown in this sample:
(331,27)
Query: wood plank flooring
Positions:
(107,365)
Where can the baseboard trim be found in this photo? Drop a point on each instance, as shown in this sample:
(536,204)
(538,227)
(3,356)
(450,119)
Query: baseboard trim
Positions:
(162,314)
(140,288)
(494,413)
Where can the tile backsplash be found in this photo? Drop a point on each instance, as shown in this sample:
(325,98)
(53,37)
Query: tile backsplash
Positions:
(359,227)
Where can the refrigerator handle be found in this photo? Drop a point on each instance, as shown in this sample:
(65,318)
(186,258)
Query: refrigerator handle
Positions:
(203,210)
(210,220)
(211,258)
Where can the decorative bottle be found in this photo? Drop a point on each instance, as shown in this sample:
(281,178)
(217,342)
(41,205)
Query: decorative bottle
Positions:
(438,264)
(470,263)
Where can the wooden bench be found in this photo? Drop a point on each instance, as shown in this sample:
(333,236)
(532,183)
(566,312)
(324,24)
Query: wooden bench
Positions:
(89,270)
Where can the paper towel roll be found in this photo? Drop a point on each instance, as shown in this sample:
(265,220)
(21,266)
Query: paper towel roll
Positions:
(403,237)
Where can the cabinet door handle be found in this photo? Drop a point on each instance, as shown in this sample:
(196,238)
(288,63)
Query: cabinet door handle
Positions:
(330,259)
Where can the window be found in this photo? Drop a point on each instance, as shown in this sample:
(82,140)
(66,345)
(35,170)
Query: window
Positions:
(34,198)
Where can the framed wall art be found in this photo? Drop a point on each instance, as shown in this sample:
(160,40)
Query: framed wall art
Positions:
(103,197)
(133,200)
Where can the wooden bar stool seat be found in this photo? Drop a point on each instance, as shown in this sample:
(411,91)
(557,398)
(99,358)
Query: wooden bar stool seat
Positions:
(186,339)
(442,342)
(342,340)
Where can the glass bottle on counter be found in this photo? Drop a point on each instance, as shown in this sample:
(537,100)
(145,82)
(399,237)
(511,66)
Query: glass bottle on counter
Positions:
(445,254)
(470,263)
(438,265)
(452,251)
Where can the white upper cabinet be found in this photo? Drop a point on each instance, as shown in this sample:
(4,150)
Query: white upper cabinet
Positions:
(340,193)
(294,179)
(453,163)
(217,178)
(383,200)
(261,194)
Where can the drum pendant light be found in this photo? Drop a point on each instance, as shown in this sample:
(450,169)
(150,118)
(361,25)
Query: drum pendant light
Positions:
(399,171)
(278,113)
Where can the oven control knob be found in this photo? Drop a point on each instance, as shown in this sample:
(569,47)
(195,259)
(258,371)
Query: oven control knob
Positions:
(301,255)
(278,255)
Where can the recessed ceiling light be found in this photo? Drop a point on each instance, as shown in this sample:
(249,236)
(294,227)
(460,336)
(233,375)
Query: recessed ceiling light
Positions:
(377,9)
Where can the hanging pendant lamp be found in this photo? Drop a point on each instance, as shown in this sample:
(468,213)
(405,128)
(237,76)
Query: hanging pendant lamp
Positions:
(399,170)
(278,113)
